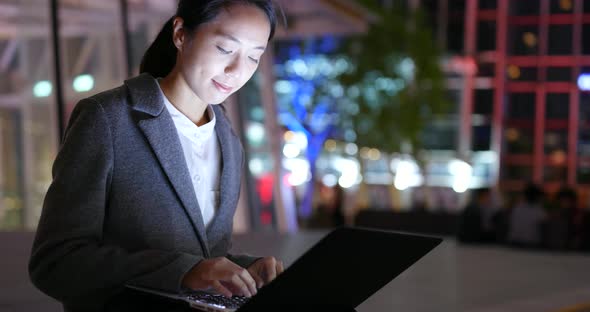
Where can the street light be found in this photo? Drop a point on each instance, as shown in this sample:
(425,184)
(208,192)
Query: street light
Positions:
(584,82)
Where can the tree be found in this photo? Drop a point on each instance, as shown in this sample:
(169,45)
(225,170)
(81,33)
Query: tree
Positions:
(397,85)
(308,98)
(378,89)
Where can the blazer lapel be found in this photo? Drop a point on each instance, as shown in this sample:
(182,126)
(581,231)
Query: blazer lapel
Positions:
(230,180)
(162,135)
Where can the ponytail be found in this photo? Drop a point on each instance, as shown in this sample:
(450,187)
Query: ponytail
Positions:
(160,57)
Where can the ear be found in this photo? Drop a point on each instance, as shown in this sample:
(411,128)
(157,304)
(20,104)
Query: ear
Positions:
(178,33)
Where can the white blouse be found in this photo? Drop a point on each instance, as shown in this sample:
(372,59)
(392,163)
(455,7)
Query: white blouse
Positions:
(202,153)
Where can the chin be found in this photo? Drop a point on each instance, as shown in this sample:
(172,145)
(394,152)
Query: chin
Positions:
(217,98)
(217,101)
(212,98)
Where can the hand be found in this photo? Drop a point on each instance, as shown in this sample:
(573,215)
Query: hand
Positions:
(221,275)
(265,270)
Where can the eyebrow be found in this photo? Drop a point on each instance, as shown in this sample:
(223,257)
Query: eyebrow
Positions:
(232,38)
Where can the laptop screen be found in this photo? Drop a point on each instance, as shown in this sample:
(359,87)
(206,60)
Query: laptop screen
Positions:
(344,269)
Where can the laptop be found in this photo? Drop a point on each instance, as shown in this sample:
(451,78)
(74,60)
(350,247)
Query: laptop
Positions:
(339,272)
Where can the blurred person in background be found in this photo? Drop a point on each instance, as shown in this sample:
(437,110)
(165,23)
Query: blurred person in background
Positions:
(526,218)
(329,212)
(585,231)
(478,220)
(147,180)
(560,230)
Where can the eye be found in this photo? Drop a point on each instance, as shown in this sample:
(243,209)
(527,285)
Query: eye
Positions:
(253,60)
(223,51)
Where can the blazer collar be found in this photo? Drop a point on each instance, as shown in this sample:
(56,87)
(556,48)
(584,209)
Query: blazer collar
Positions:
(230,180)
(145,94)
(163,137)
(161,134)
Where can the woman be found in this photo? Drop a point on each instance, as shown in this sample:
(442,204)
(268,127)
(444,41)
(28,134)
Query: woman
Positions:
(146,183)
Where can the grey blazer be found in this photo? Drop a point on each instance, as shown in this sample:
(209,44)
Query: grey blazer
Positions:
(121,208)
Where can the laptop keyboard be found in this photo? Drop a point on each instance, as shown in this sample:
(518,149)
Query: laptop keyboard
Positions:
(232,303)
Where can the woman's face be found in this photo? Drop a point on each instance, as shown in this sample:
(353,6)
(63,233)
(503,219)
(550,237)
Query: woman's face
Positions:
(222,55)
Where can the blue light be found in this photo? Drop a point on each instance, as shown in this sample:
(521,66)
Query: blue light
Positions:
(584,82)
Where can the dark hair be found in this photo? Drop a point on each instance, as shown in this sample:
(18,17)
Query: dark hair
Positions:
(480,192)
(160,57)
(532,193)
(567,193)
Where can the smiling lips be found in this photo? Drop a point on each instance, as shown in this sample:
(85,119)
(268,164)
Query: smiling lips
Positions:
(221,87)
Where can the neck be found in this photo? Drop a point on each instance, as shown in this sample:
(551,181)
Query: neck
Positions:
(183,98)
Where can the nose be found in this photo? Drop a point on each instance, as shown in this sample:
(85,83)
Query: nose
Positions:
(234,68)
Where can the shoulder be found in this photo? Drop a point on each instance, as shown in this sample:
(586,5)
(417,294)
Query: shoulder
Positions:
(101,111)
(100,103)
(111,99)
(141,92)
(117,100)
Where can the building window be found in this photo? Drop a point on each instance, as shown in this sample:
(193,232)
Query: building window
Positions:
(431,9)
(454,97)
(584,144)
(518,140)
(562,6)
(555,141)
(520,113)
(486,70)
(524,7)
(521,106)
(483,103)
(455,34)
(515,172)
(584,134)
(585,110)
(560,39)
(586,34)
(457,5)
(481,138)
(523,40)
(559,74)
(486,36)
(583,172)
(488,4)
(557,106)
(555,174)
(516,73)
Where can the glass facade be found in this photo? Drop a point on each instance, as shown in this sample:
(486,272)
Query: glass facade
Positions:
(29,138)
(92,49)
(92,60)
(259,160)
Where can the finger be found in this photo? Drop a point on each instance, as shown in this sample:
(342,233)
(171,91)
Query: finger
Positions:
(249,280)
(271,271)
(240,285)
(257,279)
(280,267)
(233,288)
(219,288)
